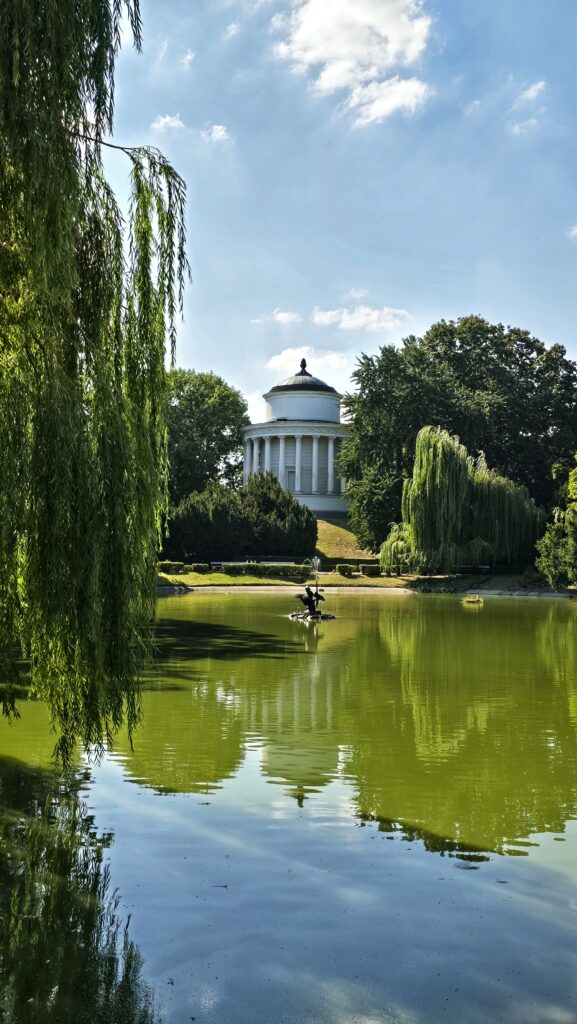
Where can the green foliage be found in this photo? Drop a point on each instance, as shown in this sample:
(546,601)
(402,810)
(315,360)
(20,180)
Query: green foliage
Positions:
(457,511)
(557,548)
(298,573)
(260,519)
(500,390)
(65,952)
(208,525)
(197,567)
(171,567)
(374,499)
(397,550)
(346,569)
(370,570)
(205,418)
(279,524)
(86,307)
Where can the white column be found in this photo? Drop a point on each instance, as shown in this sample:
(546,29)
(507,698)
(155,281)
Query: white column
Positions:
(315,463)
(331,473)
(281,469)
(246,464)
(266,454)
(298,463)
(255,454)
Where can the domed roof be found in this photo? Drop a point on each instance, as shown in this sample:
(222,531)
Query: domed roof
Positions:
(303,381)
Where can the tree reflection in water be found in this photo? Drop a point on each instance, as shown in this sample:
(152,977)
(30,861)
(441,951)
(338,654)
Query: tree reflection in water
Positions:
(455,728)
(65,953)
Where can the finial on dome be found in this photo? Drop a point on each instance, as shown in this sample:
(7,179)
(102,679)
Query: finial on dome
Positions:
(303,366)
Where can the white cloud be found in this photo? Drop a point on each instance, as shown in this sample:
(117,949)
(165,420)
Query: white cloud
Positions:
(524,127)
(572,233)
(356,293)
(188,58)
(279,316)
(378,100)
(285,317)
(472,107)
(164,122)
(529,95)
(217,133)
(360,318)
(232,30)
(356,45)
(317,359)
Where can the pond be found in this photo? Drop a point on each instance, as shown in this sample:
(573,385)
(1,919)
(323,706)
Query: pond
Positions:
(365,821)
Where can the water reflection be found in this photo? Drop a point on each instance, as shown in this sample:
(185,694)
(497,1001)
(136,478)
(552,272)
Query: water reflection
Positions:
(455,728)
(64,953)
(459,729)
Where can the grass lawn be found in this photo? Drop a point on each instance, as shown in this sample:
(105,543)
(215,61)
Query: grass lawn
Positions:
(334,579)
(326,579)
(337,540)
(220,579)
(505,583)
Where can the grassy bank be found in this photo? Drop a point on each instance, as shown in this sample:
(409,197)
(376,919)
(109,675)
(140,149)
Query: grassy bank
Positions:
(337,540)
(505,584)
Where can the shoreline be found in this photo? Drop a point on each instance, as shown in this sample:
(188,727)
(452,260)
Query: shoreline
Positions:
(401,591)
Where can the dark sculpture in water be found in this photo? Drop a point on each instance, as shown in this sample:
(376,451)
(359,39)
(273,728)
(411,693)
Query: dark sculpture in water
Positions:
(311,600)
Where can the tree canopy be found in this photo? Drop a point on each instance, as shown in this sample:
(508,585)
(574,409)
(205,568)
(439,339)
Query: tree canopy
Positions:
(88,303)
(502,391)
(259,519)
(458,511)
(205,421)
(557,549)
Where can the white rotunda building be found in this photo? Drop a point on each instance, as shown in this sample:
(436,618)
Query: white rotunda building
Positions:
(299,441)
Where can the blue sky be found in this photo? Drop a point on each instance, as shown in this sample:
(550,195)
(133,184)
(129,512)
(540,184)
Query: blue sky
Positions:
(358,169)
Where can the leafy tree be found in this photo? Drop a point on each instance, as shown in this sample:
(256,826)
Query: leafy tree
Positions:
(456,510)
(503,392)
(206,417)
(206,525)
(558,547)
(279,524)
(87,303)
(260,519)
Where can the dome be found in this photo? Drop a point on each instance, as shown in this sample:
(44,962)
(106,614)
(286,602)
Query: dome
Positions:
(303,381)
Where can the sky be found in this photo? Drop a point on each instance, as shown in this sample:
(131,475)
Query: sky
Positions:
(358,170)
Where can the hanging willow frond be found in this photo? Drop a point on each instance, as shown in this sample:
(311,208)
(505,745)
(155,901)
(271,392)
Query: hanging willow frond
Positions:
(458,511)
(87,306)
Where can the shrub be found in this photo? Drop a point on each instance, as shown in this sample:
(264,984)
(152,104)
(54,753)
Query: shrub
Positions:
(197,567)
(370,570)
(208,525)
(176,568)
(223,523)
(345,569)
(279,524)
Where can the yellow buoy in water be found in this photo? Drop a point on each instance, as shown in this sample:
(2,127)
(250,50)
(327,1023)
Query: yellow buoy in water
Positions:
(472,599)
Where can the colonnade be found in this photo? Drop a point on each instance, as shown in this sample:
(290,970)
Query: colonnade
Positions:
(253,463)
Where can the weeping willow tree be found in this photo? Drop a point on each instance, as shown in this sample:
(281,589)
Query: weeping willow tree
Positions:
(87,310)
(456,510)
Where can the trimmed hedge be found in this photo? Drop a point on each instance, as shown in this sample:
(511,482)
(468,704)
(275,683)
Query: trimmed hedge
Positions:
(298,573)
(332,563)
(346,569)
(197,567)
(370,570)
(176,568)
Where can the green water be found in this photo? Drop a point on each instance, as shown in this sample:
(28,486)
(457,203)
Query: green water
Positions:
(370,820)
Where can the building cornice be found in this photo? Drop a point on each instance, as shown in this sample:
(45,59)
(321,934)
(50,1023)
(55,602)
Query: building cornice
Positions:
(292,428)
